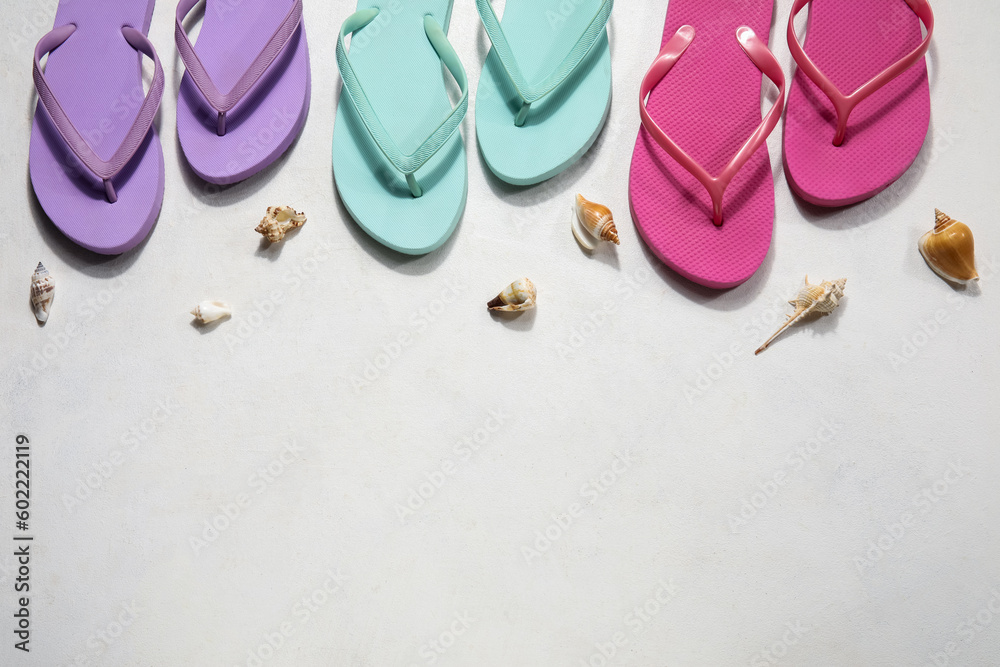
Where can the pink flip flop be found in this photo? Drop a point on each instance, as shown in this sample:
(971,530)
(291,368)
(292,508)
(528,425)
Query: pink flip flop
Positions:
(256,50)
(696,123)
(95,160)
(842,149)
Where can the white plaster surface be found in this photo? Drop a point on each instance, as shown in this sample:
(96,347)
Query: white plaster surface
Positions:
(680,511)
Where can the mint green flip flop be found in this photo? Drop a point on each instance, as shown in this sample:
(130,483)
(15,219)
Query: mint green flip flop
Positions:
(398,157)
(529,132)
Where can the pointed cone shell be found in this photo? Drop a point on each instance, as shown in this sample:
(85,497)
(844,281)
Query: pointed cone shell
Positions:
(519,295)
(210,311)
(596,220)
(950,250)
(43,291)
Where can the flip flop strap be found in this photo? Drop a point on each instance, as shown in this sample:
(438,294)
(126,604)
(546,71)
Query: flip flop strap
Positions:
(764,60)
(105,170)
(532,93)
(845,104)
(223,103)
(407,164)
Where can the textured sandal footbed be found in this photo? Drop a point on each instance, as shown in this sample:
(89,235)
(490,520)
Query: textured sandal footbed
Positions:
(709,103)
(97,78)
(411,99)
(560,127)
(851,41)
(261,127)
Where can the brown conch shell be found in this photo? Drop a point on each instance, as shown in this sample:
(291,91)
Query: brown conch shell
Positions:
(950,250)
(823,298)
(278,221)
(593,221)
(43,291)
(518,296)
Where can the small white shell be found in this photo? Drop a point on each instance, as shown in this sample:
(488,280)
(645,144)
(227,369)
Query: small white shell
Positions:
(518,296)
(210,311)
(43,291)
(278,221)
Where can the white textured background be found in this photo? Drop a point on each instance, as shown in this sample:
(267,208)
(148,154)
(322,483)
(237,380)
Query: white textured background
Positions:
(824,552)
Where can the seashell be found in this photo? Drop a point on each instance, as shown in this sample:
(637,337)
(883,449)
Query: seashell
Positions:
(210,311)
(823,298)
(593,221)
(950,250)
(43,290)
(518,296)
(278,221)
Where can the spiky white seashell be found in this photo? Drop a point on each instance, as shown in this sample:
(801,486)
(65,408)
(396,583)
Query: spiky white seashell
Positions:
(278,221)
(210,311)
(518,296)
(43,291)
(823,298)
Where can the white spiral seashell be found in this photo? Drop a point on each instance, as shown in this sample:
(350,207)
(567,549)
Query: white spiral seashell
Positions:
(210,311)
(43,291)
(520,295)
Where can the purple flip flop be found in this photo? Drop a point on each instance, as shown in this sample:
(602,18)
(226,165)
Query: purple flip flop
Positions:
(95,160)
(256,50)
